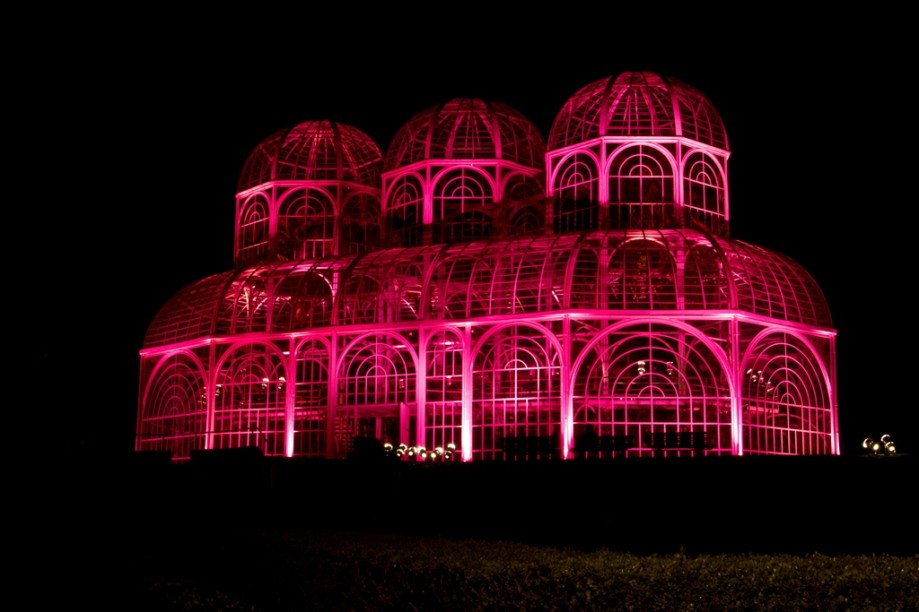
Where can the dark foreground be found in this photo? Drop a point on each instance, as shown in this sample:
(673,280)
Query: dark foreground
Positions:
(711,505)
(291,570)
(227,527)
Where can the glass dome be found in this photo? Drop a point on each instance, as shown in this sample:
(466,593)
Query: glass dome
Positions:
(481,161)
(477,289)
(314,150)
(637,104)
(467,128)
(310,191)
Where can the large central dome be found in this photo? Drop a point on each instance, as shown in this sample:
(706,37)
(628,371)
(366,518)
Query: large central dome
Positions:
(637,104)
(467,128)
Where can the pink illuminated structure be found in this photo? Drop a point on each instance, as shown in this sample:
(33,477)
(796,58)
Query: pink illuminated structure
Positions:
(482,287)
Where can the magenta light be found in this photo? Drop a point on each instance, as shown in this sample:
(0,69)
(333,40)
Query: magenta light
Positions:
(477,291)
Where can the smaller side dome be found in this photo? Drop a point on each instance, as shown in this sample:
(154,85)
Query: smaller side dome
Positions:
(314,150)
(467,128)
(637,104)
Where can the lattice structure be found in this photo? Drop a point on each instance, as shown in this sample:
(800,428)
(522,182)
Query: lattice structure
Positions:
(308,192)
(505,313)
(466,170)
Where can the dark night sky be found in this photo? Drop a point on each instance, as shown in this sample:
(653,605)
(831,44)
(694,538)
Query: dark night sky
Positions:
(820,168)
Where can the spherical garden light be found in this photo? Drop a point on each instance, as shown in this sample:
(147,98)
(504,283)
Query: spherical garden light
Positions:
(889,446)
(884,446)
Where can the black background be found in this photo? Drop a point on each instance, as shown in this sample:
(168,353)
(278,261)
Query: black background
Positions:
(137,134)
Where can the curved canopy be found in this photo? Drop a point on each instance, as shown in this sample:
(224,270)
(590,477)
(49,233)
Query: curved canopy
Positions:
(612,272)
(467,128)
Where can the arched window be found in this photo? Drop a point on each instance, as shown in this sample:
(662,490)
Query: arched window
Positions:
(306,225)
(652,377)
(311,400)
(516,395)
(175,409)
(249,407)
(405,212)
(576,195)
(444,385)
(704,192)
(641,189)
(785,404)
(460,206)
(376,389)
(252,229)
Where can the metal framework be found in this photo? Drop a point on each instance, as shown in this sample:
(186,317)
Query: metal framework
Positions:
(496,293)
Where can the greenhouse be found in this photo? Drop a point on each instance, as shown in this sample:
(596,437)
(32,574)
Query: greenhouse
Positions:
(481,293)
